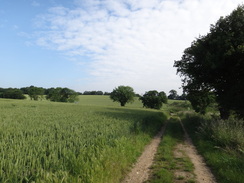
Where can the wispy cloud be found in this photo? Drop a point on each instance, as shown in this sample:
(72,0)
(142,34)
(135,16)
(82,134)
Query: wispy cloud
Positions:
(35,3)
(131,42)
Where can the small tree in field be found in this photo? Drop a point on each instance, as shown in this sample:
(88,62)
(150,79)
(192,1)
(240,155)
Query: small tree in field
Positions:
(123,95)
(153,99)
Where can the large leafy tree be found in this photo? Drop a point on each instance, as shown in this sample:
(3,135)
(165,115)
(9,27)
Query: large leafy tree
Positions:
(153,99)
(215,63)
(123,95)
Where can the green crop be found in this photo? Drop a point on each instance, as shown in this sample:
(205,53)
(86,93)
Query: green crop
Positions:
(59,142)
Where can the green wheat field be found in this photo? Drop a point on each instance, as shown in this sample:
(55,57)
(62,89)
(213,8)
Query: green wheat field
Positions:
(94,140)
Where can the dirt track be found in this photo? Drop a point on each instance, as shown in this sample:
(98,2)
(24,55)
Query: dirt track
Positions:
(140,171)
(202,172)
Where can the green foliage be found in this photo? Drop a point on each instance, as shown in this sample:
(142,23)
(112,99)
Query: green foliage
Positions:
(200,100)
(93,93)
(35,93)
(163,97)
(221,144)
(214,62)
(153,99)
(123,95)
(11,93)
(62,95)
(172,94)
(63,142)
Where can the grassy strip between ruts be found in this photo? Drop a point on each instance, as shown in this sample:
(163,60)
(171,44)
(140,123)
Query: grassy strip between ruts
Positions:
(166,163)
(226,162)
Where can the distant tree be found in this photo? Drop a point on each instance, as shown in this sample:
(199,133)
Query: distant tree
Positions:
(153,99)
(93,93)
(123,95)
(24,90)
(99,93)
(163,97)
(62,95)
(53,94)
(12,93)
(1,92)
(215,63)
(137,95)
(35,93)
(86,93)
(107,93)
(182,97)
(172,94)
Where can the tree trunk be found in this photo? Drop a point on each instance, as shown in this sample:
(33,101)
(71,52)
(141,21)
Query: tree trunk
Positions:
(224,113)
(122,104)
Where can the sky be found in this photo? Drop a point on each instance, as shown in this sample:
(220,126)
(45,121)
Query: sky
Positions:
(90,45)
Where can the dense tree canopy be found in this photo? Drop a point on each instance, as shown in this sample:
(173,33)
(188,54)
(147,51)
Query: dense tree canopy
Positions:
(35,93)
(93,93)
(153,99)
(123,95)
(62,95)
(215,63)
(11,93)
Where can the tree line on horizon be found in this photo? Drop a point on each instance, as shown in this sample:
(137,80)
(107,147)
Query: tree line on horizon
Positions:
(57,94)
(122,94)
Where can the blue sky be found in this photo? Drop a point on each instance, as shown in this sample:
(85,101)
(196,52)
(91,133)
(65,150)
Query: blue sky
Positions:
(100,44)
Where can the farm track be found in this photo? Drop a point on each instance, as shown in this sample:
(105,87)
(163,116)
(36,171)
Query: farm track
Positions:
(202,172)
(141,170)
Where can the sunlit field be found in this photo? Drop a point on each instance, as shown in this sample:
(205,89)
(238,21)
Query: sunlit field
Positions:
(93,140)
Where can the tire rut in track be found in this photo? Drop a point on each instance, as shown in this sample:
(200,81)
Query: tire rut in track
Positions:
(202,172)
(140,171)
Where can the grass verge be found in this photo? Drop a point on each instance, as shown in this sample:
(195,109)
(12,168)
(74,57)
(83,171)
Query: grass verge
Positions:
(220,144)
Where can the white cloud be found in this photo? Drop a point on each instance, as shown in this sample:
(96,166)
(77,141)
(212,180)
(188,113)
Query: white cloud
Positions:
(130,42)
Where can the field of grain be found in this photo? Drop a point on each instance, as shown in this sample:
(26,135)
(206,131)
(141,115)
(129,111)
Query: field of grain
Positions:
(93,140)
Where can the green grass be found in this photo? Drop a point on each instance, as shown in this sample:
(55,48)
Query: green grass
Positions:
(176,106)
(221,144)
(90,141)
(101,100)
(165,164)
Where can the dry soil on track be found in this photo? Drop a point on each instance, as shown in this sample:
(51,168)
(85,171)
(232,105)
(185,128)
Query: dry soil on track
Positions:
(141,170)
